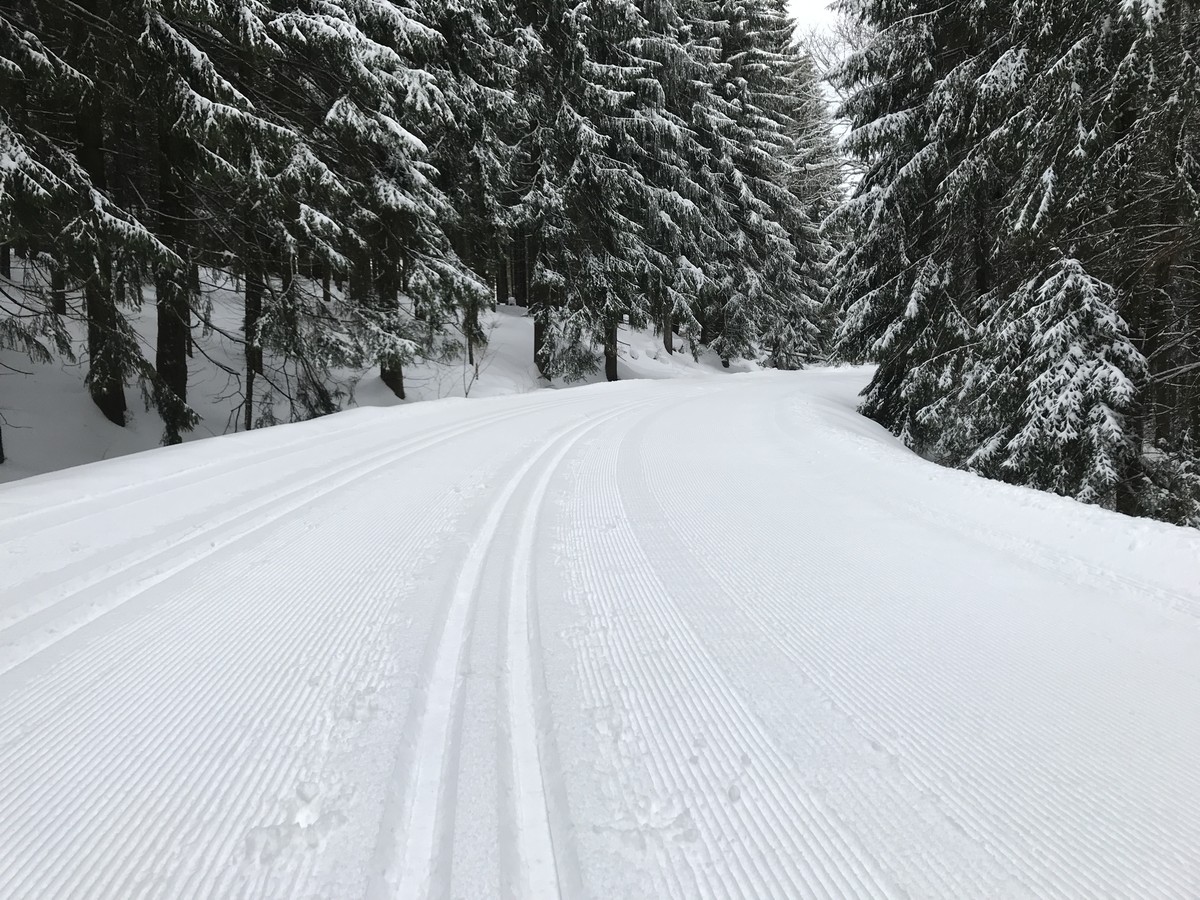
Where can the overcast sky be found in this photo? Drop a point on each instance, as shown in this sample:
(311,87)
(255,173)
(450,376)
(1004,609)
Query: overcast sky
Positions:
(810,12)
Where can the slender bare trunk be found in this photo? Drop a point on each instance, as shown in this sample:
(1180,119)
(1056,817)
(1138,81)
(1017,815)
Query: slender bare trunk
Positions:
(610,353)
(255,288)
(173,306)
(58,290)
(106,381)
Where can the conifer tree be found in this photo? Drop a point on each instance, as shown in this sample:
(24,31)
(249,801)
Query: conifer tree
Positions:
(759,286)
(582,211)
(475,70)
(1022,240)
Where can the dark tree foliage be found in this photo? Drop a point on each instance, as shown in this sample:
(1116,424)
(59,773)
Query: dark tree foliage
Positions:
(374,174)
(1021,248)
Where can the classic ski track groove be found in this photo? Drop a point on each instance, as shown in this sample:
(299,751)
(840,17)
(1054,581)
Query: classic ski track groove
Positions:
(425,828)
(90,504)
(537,868)
(384,437)
(230,805)
(230,527)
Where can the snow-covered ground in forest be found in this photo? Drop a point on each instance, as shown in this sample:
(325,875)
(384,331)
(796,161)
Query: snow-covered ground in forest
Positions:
(49,422)
(702,637)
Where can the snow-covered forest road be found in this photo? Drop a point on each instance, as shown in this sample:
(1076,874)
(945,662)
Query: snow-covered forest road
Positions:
(705,637)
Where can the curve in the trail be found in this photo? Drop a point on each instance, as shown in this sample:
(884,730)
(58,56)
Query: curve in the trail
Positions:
(743,823)
(707,638)
(826,629)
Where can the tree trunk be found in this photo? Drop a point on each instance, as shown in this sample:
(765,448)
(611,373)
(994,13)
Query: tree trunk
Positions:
(539,344)
(391,371)
(668,329)
(194,288)
(706,329)
(58,290)
(502,264)
(174,308)
(470,326)
(521,263)
(610,353)
(532,250)
(5,261)
(1,446)
(392,374)
(540,304)
(106,381)
(171,352)
(326,290)
(255,288)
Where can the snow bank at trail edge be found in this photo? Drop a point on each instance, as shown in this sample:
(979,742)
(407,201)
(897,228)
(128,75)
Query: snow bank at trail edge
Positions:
(50,422)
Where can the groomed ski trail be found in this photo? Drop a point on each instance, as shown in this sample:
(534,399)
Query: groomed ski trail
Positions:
(708,637)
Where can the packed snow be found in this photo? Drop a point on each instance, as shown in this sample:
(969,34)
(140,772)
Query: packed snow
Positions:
(692,637)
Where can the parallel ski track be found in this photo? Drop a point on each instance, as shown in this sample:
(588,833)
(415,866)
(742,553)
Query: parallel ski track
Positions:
(538,854)
(336,637)
(417,831)
(30,635)
(695,737)
(332,634)
(976,799)
(214,471)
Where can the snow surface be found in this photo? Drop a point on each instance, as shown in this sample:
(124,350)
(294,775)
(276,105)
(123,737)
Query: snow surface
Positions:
(50,423)
(702,637)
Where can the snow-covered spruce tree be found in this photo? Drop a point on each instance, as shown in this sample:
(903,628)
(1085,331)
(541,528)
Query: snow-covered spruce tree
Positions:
(341,186)
(1107,191)
(38,184)
(1063,354)
(1147,172)
(765,285)
(193,127)
(144,127)
(585,201)
(1022,240)
(106,246)
(276,199)
(817,179)
(680,218)
(920,224)
(387,112)
(802,326)
(475,70)
(33,193)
